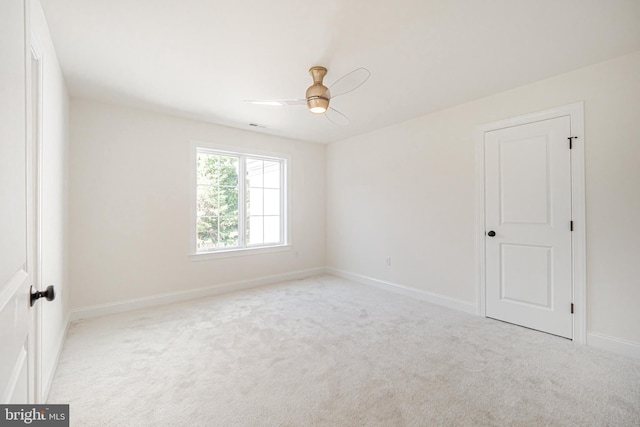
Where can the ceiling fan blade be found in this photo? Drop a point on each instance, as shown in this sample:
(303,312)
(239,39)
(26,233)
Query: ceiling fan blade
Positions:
(336,117)
(349,82)
(277,102)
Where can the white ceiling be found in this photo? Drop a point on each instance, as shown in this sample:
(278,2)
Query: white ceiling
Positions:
(202,58)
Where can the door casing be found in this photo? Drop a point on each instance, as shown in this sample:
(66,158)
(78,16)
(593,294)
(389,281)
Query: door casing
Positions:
(34,123)
(578,244)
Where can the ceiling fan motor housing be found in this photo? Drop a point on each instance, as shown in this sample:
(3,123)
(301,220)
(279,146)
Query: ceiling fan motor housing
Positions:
(317,94)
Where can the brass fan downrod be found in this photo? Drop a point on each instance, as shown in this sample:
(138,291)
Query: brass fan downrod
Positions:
(317,99)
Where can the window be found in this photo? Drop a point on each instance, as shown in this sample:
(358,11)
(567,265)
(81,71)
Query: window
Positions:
(240,200)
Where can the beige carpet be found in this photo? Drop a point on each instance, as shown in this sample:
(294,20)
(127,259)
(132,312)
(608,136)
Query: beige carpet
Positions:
(328,352)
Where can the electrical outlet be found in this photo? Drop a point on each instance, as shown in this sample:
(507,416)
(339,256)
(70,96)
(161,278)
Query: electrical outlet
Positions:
(388,261)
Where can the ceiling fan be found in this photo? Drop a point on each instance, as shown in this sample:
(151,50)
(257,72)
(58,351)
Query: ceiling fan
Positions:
(318,95)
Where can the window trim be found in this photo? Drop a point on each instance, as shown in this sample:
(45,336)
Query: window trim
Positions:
(193,253)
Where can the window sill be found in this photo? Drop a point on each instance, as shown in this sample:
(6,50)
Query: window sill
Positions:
(203,256)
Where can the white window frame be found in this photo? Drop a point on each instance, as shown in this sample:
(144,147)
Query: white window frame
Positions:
(245,248)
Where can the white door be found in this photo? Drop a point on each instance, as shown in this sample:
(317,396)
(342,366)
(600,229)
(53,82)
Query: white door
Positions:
(17,242)
(528,225)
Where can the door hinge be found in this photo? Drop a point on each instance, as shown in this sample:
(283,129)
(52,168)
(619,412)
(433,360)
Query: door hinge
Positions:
(571,308)
(571,138)
(571,225)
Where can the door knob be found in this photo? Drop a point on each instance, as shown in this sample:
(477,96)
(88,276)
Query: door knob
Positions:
(48,293)
(491,233)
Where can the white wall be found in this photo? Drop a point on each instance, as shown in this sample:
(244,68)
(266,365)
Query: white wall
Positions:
(55,142)
(129,205)
(407,191)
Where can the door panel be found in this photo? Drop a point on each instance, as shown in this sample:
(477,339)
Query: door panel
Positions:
(12,140)
(14,318)
(528,206)
(526,275)
(524,181)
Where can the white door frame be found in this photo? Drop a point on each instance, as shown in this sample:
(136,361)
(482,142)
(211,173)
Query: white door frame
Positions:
(578,239)
(33,134)
(35,83)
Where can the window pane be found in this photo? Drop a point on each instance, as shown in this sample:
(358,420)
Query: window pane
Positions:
(271,202)
(217,170)
(228,171)
(271,174)
(254,207)
(207,201)
(271,229)
(228,197)
(206,167)
(255,230)
(228,231)
(254,172)
(207,231)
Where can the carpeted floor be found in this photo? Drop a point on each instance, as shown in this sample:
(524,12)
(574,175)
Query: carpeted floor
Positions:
(329,352)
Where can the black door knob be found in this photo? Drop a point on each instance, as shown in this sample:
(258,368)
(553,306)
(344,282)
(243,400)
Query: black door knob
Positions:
(491,233)
(48,293)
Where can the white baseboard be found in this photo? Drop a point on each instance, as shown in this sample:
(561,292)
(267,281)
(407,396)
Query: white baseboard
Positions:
(173,297)
(466,306)
(615,345)
(46,385)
